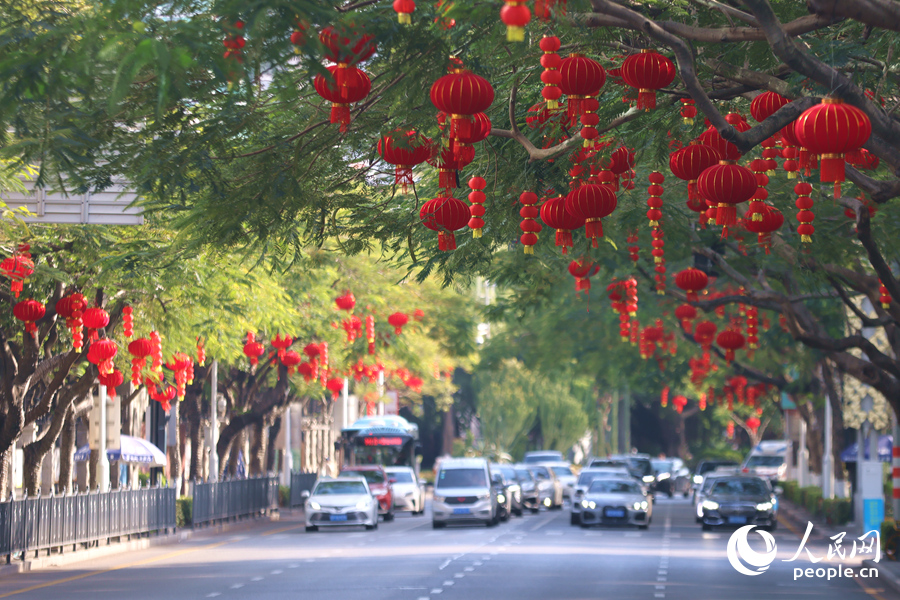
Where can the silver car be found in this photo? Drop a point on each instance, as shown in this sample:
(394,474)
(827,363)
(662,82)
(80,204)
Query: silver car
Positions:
(340,502)
(464,493)
(566,477)
(550,489)
(409,491)
(585,478)
(618,501)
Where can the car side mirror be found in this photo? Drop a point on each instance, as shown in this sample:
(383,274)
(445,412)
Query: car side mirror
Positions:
(779,490)
(304,494)
(392,480)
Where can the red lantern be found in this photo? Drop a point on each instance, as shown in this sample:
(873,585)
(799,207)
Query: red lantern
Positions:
(884,296)
(752,328)
(139,349)
(111,381)
(253,350)
(17,268)
(689,162)
(688,111)
(398,320)
(691,281)
(753,423)
(344,45)
(348,84)
(445,215)
(654,202)
(767,104)
(771,220)
(409,149)
(282,344)
(530,228)
(731,341)
(404,8)
(727,150)
(648,71)
(29,311)
(94,319)
(729,430)
(581,77)
(686,313)
(664,397)
(370,333)
(806,217)
(71,308)
(335,385)
(551,76)
(555,216)
(476,211)
(680,402)
(515,15)
(592,203)
(589,122)
(291,359)
(726,185)
(345,302)
(101,353)
(582,270)
(542,8)
(461,94)
(830,130)
(705,333)
(128,322)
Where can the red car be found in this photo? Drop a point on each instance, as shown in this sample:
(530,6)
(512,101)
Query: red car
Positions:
(379,484)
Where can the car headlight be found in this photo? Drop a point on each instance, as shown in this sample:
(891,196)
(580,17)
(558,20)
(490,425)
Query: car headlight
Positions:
(592,504)
(640,505)
(584,503)
(636,506)
(362,504)
(698,479)
(764,506)
(644,505)
(663,476)
(710,505)
(314,505)
(438,498)
(501,498)
(648,478)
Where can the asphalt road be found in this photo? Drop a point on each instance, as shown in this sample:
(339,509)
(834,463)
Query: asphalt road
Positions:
(536,557)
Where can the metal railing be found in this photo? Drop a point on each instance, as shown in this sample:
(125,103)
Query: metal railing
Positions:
(54,522)
(224,500)
(301,482)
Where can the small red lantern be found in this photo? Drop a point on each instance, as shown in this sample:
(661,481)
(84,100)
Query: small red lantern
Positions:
(445,215)
(806,217)
(348,84)
(726,185)
(767,104)
(253,350)
(398,320)
(686,313)
(128,322)
(404,150)
(335,385)
(542,8)
(345,302)
(705,333)
(731,341)
(648,71)
(654,202)
(555,216)
(282,344)
(689,162)
(691,281)
(729,430)
(592,203)
(370,334)
(111,381)
(291,359)
(515,15)
(727,150)
(529,226)
(461,94)
(551,76)
(688,111)
(139,349)
(94,319)
(404,8)
(29,312)
(664,397)
(680,402)
(581,77)
(16,268)
(582,270)
(344,45)
(476,211)
(830,130)
(884,296)
(753,423)
(101,353)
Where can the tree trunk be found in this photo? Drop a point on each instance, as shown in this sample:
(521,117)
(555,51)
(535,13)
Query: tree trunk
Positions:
(173,450)
(258,442)
(448,433)
(5,483)
(237,445)
(195,425)
(67,455)
(271,450)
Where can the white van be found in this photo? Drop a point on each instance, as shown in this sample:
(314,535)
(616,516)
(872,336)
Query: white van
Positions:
(768,460)
(463,493)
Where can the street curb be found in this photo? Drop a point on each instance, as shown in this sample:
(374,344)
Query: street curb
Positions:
(885,576)
(177,537)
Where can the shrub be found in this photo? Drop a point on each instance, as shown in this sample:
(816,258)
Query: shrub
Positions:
(837,511)
(890,538)
(812,499)
(284,495)
(184,511)
(791,491)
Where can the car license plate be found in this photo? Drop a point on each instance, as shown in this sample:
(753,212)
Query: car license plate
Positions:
(461,511)
(737,520)
(338,517)
(615,513)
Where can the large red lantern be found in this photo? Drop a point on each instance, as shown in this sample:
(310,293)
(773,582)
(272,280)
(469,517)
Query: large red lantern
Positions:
(691,281)
(461,94)
(346,301)
(404,10)
(726,185)
(398,321)
(347,84)
(770,222)
(95,319)
(445,215)
(648,71)
(555,216)
(830,130)
(581,77)
(29,311)
(767,104)
(16,268)
(689,162)
(592,203)
(253,350)
(515,15)
(404,150)
(101,353)
(335,385)
(731,341)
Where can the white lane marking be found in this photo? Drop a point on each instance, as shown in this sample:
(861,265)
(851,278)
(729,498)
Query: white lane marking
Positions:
(477,563)
(633,534)
(662,572)
(658,595)
(237,586)
(277,572)
(469,569)
(449,582)
(424,598)
(660,587)
(445,564)
(551,532)
(257,579)
(293,566)
(460,575)
(213,595)
(660,578)
(436,591)
(309,560)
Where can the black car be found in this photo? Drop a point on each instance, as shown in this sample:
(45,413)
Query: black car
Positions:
(707,466)
(513,487)
(530,495)
(500,488)
(663,471)
(739,500)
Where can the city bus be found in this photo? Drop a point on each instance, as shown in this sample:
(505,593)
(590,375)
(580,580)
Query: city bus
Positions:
(387,440)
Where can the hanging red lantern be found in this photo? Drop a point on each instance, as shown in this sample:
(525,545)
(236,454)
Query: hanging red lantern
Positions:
(370,333)
(139,349)
(448,163)
(156,354)
(404,150)
(111,381)
(476,211)
(730,341)
(830,130)
(863,159)
(462,145)
(398,321)
(705,334)
(680,402)
(290,360)
(581,77)
(551,76)
(281,344)
(128,322)
(29,312)
(690,162)
(529,226)
(94,319)
(686,313)
(404,10)
(101,353)
(753,423)
(445,215)
(729,430)
(71,308)
(201,352)
(253,350)
(806,217)
(633,249)
(770,221)
(752,328)
(345,45)
(648,71)
(17,268)
(767,104)
(592,203)
(346,302)
(664,397)
(727,150)
(582,270)
(688,111)
(515,15)
(298,36)
(884,296)
(658,244)
(335,385)
(589,122)
(461,94)
(726,185)
(654,202)
(544,8)
(691,281)
(555,216)
(234,43)
(354,87)
(164,398)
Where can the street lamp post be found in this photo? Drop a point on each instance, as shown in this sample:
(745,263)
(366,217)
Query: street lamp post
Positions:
(866,405)
(213,421)
(103,460)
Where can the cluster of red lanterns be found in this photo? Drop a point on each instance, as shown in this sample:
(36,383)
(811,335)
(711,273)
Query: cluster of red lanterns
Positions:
(71,308)
(345,83)
(17,268)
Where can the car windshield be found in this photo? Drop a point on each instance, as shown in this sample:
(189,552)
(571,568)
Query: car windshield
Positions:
(662,466)
(543,457)
(371,476)
(608,463)
(642,465)
(764,461)
(562,470)
(524,475)
(541,472)
(736,487)
(455,478)
(587,477)
(509,473)
(401,476)
(612,486)
(707,466)
(328,488)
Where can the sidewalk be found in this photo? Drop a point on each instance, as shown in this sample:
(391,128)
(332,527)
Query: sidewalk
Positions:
(125,546)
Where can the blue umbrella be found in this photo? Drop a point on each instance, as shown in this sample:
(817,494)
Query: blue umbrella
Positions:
(885,444)
(130,450)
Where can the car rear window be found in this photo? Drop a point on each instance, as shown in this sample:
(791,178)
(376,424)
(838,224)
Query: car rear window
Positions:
(371,476)
(562,470)
(461,478)
(733,487)
(612,486)
(327,488)
(524,474)
(541,472)
(764,461)
(401,476)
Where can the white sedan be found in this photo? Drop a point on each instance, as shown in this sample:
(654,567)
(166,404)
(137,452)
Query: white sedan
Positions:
(409,492)
(339,502)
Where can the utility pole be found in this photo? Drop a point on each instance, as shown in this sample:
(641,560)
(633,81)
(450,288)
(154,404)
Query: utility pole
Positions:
(103,461)
(213,421)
